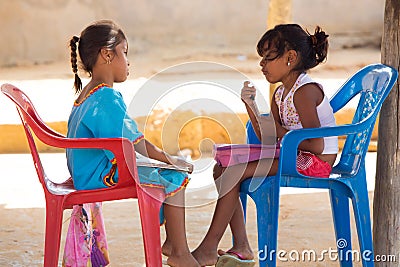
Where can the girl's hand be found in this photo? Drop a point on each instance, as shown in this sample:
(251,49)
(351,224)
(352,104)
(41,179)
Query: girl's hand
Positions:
(180,162)
(248,93)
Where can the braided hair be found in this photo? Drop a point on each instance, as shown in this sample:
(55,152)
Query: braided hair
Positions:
(74,63)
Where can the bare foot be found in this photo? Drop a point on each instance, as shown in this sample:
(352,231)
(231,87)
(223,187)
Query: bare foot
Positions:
(186,260)
(166,248)
(245,253)
(205,258)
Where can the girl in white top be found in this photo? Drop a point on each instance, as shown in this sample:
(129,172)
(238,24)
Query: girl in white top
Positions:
(287,52)
(290,118)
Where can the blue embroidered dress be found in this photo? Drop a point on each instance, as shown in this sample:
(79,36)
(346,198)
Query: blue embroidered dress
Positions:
(103,114)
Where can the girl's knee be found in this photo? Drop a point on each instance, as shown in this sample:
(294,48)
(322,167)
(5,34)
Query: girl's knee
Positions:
(217,171)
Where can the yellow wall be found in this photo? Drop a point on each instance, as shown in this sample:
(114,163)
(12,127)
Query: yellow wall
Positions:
(181,130)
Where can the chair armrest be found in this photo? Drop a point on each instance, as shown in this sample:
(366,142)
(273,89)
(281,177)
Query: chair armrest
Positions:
(291,140)
(123,150)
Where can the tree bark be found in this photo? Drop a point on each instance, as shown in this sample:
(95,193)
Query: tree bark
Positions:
(279,12)
(386,208)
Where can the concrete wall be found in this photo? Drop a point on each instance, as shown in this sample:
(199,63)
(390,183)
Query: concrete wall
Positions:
(37,31)
(352,23)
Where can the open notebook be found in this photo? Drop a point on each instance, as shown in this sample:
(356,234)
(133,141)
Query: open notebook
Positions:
(148,162)
(232,154)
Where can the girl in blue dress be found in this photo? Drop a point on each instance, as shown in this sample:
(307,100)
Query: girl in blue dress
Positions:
(100,112)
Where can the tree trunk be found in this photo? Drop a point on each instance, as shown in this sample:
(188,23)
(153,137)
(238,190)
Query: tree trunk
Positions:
(386,209)
(279,12)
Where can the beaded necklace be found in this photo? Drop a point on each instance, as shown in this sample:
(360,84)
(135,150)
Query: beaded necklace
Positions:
(76,103)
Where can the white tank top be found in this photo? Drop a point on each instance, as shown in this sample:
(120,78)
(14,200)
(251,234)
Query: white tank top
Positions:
(290,118)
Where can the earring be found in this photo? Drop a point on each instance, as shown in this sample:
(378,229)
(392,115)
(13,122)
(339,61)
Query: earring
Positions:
(288,63)
(108,61)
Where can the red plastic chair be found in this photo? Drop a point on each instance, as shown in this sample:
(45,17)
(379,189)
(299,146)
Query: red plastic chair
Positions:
(63,196)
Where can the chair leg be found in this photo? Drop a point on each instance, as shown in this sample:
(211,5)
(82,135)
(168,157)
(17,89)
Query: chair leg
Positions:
(363,222)
(149,208)
(266,198)
(341,221)
(54,215)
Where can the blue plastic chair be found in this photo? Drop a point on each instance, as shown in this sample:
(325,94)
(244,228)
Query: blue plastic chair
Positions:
(348,179)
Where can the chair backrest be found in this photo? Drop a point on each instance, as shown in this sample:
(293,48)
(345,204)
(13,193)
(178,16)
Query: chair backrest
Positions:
(122,148)
(29,116)
(373,84)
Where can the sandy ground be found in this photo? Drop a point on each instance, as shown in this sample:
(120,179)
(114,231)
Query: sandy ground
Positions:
(305,219)
(305,224)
